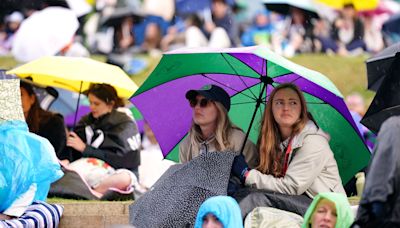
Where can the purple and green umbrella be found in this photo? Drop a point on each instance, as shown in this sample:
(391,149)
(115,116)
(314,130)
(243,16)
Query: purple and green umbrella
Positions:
(248,75)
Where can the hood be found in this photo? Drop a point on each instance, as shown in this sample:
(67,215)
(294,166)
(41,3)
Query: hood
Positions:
(309,129)
(225,208)
(344,214)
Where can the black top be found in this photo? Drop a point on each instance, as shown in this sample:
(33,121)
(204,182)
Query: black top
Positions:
(113,138)
(52,127)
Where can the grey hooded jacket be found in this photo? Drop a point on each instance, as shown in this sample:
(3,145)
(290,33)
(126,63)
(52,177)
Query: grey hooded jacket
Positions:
(312,167)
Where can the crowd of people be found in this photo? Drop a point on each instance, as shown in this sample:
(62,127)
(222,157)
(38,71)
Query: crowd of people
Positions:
(291,168)
(129,27)
(295,164)
(292,164)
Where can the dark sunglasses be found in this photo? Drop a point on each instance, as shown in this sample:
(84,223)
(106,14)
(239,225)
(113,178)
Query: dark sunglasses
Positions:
(203,102)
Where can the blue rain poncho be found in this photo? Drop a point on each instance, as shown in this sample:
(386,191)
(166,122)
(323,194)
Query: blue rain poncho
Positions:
(26,159)
(225,208)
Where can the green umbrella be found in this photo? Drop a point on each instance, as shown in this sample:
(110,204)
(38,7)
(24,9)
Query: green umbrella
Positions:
(248,75)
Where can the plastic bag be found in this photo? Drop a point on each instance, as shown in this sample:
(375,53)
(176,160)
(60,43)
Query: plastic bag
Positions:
(26,158)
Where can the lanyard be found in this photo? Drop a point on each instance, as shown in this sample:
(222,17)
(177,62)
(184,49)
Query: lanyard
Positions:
(287,153)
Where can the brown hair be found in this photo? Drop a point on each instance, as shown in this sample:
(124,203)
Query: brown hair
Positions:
(270,136)
(36,114)
(106,93)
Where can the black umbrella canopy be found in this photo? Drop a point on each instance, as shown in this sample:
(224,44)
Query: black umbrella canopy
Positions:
(116,17)
(379,66)
(285,6)
(386,102)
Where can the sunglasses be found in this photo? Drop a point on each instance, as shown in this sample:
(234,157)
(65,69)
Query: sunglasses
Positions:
(203,102)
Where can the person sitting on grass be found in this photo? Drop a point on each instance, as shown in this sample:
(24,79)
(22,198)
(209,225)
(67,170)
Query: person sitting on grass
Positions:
(44,123)
(219,212)
(296,161)
(212,130)
(329,210)
(105,143)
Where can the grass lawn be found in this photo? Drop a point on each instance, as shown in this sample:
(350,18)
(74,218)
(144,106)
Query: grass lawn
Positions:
(347,73)
(62,200)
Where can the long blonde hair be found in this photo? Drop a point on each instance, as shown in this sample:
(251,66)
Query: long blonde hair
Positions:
(222,131)
(270,136)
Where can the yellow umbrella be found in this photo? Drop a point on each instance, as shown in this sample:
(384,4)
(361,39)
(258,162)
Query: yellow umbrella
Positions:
(76,74)
(359,5)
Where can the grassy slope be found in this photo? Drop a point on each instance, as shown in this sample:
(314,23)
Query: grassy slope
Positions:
(348,74)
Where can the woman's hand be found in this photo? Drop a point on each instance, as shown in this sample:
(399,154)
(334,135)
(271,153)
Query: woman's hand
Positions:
(75,142)
(240,167)
(64,162)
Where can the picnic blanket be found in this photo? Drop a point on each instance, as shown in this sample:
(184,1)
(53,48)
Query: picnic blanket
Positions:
(73,186)
(176,197)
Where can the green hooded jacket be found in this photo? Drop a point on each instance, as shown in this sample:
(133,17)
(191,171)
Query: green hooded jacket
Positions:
(345,216)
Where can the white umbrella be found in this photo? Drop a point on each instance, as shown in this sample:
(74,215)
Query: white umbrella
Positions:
(80,7)
(44,33)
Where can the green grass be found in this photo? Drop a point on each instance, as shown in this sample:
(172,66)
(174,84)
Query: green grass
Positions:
(62,200)
(348,74)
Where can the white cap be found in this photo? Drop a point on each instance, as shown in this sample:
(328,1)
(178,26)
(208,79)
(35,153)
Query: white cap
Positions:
(16,16)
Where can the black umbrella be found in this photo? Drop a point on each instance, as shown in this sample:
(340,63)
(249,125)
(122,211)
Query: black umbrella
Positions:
(284,7)
(116,17)
(378,66)
(386,102)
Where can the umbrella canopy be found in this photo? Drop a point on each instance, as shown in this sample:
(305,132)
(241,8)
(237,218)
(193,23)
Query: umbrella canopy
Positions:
(359,5)
(379,66)
(187,7)
(283,6)
(66,103)
(10,100)
(44,33)
(386,102)
(177,195)
(248,75)
(116,17)
(76,74)
(391,27)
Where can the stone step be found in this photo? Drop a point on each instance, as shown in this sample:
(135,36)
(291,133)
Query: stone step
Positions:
(95,214)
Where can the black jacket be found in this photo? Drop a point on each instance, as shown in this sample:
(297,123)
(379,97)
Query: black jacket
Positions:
(383,180)
(53,128)
(115,140)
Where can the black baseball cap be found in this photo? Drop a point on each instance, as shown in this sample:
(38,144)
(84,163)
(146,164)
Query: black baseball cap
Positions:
(211,92)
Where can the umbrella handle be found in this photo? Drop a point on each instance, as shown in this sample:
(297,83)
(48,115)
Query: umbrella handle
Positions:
(77,105)
(258,103)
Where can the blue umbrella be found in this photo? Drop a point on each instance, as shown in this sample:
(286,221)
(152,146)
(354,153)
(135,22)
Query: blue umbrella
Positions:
(186,7)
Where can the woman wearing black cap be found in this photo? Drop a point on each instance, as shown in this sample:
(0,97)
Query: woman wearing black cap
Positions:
(211,128)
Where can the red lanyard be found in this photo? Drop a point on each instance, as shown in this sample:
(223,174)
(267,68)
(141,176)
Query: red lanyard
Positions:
(287,153)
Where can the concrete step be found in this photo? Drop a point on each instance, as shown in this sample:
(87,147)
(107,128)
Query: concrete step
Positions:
(95,214)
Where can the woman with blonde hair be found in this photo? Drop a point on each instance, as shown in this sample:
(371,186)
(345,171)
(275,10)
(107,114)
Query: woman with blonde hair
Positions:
(295,158)
(212,130)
